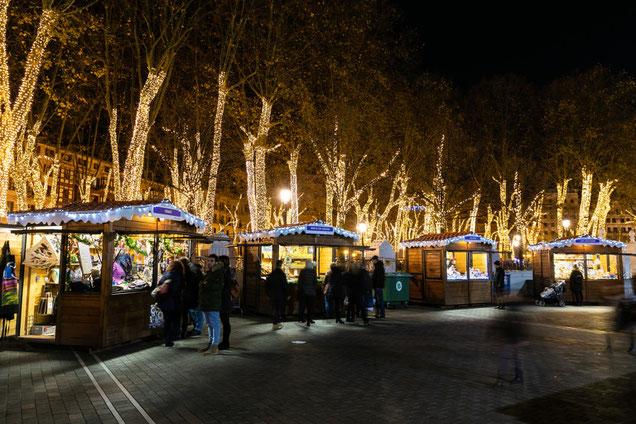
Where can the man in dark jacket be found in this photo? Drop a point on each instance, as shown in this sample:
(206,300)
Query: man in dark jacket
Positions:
(498,284)
(193,276)
(210,300)
(576,284)
(227,306)
(377,279)
(307,281)
(277,290)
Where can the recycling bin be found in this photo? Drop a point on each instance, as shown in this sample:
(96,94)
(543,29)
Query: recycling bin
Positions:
(396,288)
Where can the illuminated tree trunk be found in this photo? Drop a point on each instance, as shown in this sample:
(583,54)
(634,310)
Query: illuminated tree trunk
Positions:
(490,216)
(502,217)
(603,206)
(13,116)
(114,148)
(329,194)
(24,161)
(134,165)
(475,211)
(586,200)
(562,192)
(216,153)
(255,153)
(292,164)
(107,188)
(55,178)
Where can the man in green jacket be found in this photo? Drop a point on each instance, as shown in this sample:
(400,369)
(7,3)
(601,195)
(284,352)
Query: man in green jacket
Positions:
(210,294)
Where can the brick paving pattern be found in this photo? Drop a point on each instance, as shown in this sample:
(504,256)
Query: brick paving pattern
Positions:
(419,365)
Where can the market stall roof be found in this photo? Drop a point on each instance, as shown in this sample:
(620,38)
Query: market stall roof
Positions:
(310,227)
(103,212)
(584,240)
(444,239)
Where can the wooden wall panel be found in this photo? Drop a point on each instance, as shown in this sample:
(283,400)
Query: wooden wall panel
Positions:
(434,264)
(536,263)
(434,290)
(128,317)
(546,264)
(479,291)
(416,289)
(79,320)
(456,292)
(414,261)
(600,291)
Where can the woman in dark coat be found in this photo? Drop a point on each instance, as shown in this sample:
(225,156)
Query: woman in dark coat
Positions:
(353,284)
(576,284)
(193,277)
(170,303)
(227,306)
(307,281)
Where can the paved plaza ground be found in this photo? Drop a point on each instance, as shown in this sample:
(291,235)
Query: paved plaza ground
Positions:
(418,365)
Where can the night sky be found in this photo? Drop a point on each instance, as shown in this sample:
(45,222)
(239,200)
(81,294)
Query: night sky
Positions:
(467,44)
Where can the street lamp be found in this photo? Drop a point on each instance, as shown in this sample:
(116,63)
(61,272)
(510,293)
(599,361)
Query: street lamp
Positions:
(566,225)
(362,228)
(285,197)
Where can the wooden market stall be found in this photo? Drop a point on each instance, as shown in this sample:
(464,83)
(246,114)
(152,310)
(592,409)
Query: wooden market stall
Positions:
(294,244)
(89,268)
(450,268)
(599,260)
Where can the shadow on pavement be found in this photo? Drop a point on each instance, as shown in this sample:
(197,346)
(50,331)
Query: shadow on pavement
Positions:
(612,400)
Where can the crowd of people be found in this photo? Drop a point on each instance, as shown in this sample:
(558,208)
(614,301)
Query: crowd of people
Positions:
(188,291)
(352,286)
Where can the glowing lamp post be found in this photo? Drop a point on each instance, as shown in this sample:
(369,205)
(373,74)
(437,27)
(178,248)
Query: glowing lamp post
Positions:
(362,228)
(285,197)
(566,226)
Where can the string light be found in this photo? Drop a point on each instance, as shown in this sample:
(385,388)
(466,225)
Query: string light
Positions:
(586,200)
(216,151)
(114,148)
(469,237)
(562,192)
(133,167)
(317,225)
(475,211)
(603,206)
(584,240)
(13,119)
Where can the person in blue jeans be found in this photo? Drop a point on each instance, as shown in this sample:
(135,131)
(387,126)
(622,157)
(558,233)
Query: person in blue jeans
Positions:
(210,299)
(378,280)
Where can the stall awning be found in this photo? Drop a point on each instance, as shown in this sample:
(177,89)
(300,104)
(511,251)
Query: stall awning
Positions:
(313,227)
(444,239)
(584,240)
(103,212)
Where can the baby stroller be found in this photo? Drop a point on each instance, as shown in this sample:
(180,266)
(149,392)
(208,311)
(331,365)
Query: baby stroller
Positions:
(552,294)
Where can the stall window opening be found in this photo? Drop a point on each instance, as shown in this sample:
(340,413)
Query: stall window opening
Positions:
(479,268)
(295,258)
(133,262)
(84,263)
(564,262)
(456,265)
(602,267)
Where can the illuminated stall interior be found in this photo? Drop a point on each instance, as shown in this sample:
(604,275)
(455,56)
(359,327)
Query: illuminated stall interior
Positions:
(89,268)
(450,268)
(294,244)
(598,259)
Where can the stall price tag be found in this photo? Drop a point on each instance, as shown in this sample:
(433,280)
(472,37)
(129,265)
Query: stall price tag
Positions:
(166,213)
(322,230)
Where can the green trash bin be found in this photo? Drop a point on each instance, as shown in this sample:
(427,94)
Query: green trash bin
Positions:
(396,288)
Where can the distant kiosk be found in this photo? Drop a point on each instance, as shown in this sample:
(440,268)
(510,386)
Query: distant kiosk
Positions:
(384,251)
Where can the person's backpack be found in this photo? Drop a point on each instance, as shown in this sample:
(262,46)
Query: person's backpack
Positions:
(235,290)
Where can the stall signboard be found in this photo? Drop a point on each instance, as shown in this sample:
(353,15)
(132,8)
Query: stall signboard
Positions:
(166,213)
(587,241)
(473,238)
(322,230)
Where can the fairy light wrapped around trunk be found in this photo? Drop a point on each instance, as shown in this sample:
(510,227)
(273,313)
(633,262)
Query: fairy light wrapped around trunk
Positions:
(586,201)
(14,116)
(562,192)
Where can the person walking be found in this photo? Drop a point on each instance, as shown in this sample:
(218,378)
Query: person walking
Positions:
(511,334)
(327,291)
(193,276)
(307,281)
(227,306)
(498,285)
(210,299)
(277,290)
(576,284)
(337,287)
(169,300)
(365,297)
(378,280)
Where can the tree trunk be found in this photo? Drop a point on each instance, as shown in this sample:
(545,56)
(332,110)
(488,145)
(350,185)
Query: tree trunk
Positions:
(328,202)
(134,165)
(216,152)
(248,152)
(292,164)
(14,116)
(562,192)
(114,147)
(474,212)
(586,200)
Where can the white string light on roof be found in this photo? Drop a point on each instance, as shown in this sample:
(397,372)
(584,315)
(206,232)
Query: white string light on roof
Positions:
(584,240)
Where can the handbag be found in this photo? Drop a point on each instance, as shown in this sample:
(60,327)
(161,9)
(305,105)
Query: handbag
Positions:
(156,317)
(161,292)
